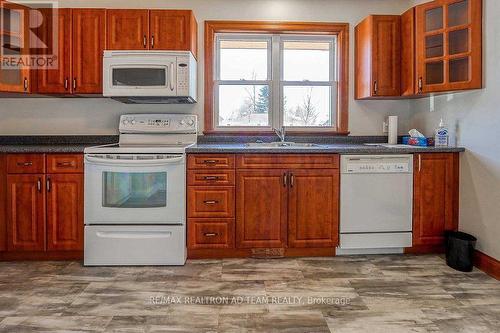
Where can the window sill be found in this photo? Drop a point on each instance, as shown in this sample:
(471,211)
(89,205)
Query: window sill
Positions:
(267,133)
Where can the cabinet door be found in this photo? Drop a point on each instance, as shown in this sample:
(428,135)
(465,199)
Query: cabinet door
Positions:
(261,208)
(56,80)
(127,29)
(15,39)
(3,215)
(386,56)
(173,30)
(89,38)
(313,208)
(435,195)
(26,212)
(64,212)
(449,45)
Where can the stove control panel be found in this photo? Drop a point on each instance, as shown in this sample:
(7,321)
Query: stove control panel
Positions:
(158,123)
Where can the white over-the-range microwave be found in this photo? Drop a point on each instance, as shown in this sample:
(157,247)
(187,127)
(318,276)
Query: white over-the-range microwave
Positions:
(150,76)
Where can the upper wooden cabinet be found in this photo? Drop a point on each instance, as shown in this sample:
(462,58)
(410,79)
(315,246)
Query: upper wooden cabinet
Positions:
(433,47)
(15,39)
(3,196)
(378,56)
(449,45)
(435,197)
(127,29)
(81,41)
(133,29)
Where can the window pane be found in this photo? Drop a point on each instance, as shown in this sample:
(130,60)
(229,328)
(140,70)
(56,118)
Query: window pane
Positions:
(134,190)
(306,60)
(307,106)
(243,60)
(243,105)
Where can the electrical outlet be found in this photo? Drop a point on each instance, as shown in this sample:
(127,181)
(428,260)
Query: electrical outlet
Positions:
(385,127)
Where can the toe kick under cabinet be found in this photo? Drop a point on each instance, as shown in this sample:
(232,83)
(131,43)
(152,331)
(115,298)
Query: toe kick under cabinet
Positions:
(265,205)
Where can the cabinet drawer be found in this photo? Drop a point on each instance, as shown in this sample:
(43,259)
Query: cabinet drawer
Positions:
(64,163)
(207,177)
(279,161)
(210,233)
(211,202)
(210,161)
(26,163)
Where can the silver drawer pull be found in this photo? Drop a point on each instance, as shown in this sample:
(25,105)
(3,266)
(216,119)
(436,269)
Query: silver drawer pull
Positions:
(210,234)
(210,161)
(210,202)
(26,164)
(64,164)
(211,178)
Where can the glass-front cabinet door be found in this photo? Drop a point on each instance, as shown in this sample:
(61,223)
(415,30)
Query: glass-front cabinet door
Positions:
(14,39)
(449,45)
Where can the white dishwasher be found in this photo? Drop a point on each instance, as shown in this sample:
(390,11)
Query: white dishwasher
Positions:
(376,199)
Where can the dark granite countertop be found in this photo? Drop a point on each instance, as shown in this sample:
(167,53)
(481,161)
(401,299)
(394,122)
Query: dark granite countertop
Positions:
(341,145)
(321,148)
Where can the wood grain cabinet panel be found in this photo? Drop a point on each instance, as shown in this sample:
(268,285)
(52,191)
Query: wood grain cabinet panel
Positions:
(56,80)
(25,163)
(26,212)
(210,161)
(378,57)
(64,212)
(3,200)
(89,40)
(211,201)
(279,161)
(313,208)
(435,196)
(64,163)
(210,233)
(261,208)
(173,30)
(127,29)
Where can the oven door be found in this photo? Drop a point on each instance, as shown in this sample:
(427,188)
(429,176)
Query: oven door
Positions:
(139,75)
(134,189)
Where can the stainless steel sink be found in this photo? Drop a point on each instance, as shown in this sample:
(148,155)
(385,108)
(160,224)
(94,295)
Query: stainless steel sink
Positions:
(281,145)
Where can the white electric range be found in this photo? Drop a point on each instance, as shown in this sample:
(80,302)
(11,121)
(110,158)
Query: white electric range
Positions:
(135,192)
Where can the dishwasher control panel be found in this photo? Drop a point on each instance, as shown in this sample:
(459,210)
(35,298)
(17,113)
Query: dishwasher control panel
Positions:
(377,164)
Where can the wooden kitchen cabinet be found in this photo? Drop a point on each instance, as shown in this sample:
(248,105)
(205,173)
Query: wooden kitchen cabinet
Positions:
(3,201)
(261,208)
(127,29)
(378,57)
(89,41)
(64,212)
(56,80)
(81,41)
(175,30)
(448,45)
(26,212)
(15,37)
(313,208)
(435,197)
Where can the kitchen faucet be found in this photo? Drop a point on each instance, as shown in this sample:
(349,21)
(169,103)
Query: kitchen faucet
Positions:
(280,133)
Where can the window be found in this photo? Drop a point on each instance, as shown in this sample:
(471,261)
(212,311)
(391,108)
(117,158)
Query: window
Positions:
(264,80)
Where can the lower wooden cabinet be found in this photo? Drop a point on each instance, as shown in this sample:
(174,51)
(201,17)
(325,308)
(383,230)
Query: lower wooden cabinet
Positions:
(26,212)
(3,202)
(261,208)
(435,195)
(64,212)
(44,211)
(313,208)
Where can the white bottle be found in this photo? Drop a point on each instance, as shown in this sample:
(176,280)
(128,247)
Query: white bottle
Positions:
(442,136)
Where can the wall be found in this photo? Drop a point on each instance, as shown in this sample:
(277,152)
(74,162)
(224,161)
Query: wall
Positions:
(100,116)
(474,120)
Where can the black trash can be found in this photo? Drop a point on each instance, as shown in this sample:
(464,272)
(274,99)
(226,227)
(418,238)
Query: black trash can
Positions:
(460,250)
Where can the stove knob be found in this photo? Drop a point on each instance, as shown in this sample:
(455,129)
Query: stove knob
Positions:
(133,122)
(125,122)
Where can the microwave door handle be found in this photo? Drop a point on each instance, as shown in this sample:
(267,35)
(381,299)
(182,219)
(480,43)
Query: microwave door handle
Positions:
(106,161)
(171,76)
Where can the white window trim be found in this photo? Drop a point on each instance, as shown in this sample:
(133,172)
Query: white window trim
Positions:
(275,81)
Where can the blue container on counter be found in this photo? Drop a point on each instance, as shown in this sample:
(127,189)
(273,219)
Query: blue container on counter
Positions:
(422,142)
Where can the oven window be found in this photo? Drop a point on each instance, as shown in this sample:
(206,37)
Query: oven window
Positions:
(134,190)
(139,77)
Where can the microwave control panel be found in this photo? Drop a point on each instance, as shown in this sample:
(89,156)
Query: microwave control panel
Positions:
(182,76)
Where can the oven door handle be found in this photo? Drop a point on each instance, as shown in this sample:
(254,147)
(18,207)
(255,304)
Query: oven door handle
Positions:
(134,234)
(152,162)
